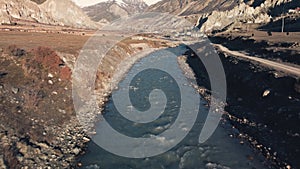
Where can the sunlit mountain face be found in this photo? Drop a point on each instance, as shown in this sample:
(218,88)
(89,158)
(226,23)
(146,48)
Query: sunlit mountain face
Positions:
(114,9)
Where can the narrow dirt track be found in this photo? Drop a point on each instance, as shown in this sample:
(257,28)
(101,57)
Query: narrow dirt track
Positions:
(274,65)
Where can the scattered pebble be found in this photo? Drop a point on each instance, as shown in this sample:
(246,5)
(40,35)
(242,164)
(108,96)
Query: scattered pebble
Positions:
(85,139)
(76,151)
(79,164)
(50,82)
(50,75)
(266,93)
(14,90)
(62,111)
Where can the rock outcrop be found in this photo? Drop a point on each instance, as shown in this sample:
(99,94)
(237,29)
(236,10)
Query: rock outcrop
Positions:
(250,12)
(220,20)
(11,10)
(220,15)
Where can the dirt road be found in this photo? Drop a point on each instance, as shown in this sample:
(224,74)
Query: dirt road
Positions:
(274,65)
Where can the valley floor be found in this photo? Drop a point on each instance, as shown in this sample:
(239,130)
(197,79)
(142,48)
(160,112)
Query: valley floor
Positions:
(39,127)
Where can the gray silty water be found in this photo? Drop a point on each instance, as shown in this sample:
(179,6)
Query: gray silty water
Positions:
(220,151)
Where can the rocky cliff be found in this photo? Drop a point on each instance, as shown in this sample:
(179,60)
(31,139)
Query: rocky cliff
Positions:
(219,15)
(247,12)
(53,12)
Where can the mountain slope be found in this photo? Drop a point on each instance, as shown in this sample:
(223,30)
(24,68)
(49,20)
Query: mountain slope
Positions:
(53,12)
(11,10)
(70,16)
(189,7)
(112,10)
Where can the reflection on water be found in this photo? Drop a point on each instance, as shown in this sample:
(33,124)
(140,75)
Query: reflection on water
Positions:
(220,151)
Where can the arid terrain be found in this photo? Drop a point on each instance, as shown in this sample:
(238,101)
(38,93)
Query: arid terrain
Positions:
(38,50)
(38,122)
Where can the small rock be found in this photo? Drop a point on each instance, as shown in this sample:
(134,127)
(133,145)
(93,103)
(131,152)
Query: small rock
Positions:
(43,145)
(22,148)
(43,157)
(14,90)
(55,93)
(266,93)
(215,166)
(79,164)
(50,75)
(62,111)
(76,151)
(50,82)
(85,139)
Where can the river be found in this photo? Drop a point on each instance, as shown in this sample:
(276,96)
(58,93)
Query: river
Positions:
(220,151)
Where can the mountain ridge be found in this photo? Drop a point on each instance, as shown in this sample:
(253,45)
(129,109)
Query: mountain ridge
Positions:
(111,10)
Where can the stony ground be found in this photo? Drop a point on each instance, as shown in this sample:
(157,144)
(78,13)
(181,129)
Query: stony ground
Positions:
(38,124)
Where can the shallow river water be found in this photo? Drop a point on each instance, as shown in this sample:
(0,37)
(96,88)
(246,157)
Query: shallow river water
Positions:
(219,151)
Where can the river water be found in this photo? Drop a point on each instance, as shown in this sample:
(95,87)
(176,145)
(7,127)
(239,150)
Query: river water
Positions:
(220,151)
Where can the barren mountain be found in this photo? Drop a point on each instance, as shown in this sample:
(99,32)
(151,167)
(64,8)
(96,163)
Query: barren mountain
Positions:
(67,13)
(53,12)
(219,15)
(112,10)
(188,7)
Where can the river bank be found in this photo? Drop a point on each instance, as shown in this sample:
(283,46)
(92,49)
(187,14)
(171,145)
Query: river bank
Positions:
(261,104)
(39,126)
